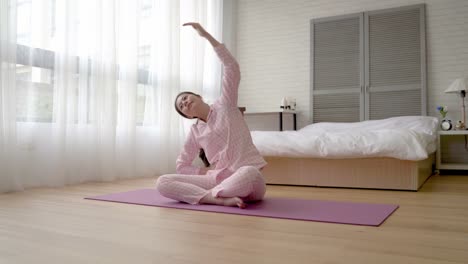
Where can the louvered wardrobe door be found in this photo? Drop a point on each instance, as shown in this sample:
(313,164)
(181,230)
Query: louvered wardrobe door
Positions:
(395,62)
(336,68)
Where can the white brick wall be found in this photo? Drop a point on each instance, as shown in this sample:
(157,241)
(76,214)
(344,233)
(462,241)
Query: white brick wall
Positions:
(273,49)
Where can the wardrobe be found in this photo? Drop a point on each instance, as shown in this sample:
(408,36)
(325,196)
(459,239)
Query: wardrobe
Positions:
(368,65)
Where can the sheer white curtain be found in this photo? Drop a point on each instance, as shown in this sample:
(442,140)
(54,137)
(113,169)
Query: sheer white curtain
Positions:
(88,87)
(8,149)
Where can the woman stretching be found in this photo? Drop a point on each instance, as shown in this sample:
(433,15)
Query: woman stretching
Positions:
(234,176)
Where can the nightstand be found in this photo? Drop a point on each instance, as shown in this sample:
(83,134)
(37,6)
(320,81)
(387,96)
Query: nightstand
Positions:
(451,150)
(266,121)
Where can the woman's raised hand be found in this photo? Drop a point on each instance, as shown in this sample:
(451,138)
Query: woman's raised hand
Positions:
(201,31)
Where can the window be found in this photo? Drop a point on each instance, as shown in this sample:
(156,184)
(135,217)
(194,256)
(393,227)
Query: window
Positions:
(37,46)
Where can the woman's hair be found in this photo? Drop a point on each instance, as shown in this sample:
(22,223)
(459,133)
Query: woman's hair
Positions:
(177,108)
(201,154)
(203,157)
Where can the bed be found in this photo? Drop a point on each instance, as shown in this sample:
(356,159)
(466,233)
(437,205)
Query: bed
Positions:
(394,153)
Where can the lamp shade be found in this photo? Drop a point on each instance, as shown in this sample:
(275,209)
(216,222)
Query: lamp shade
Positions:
(460,84)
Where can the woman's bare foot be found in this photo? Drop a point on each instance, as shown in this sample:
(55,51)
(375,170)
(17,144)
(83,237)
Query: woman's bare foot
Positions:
(232,201)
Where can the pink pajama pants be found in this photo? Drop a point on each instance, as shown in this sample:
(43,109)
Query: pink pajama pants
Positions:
(247,183)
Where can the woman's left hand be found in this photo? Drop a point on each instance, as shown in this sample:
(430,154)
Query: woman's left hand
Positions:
(204,170)
(201,31)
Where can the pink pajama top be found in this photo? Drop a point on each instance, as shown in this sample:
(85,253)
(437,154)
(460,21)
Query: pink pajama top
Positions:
(225,136)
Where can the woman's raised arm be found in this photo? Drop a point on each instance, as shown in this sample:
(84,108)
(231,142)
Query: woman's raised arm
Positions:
(231,78)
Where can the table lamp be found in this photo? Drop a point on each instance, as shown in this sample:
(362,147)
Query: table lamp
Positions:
(460,86)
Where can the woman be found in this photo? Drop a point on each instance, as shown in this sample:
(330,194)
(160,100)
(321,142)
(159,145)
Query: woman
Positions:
(234,176)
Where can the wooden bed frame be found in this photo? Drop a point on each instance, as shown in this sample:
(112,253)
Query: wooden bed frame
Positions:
(371,173)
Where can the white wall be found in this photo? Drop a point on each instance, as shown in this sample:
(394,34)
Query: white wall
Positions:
(273,49)
(230,25)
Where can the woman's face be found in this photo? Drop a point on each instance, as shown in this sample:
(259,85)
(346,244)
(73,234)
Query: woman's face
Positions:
(188,104)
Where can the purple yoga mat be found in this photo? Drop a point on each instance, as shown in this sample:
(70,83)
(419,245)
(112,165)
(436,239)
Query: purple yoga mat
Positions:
(310,210)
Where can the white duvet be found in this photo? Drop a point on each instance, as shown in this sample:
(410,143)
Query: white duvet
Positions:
(405,138)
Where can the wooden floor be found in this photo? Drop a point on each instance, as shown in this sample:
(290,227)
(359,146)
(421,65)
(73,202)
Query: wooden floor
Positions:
(59,226)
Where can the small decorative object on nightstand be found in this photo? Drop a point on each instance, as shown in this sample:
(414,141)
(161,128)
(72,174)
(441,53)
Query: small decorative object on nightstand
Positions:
(288,103)
(284,103)
(459,125)
(446,125)
(460,86)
